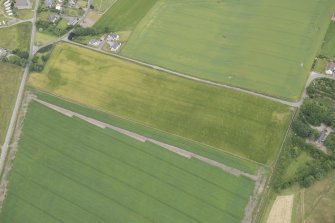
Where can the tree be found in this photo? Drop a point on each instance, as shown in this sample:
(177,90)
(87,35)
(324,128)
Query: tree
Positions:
(301,129)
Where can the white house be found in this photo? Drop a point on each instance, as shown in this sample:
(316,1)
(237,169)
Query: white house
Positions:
(94,42)
(114,46)
(6,2)
(59,7)
(113,37)
(330,69)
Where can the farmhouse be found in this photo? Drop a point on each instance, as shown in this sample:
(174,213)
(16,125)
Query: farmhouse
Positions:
(113,37)
(330,69)
(59,7)
(53,18)
(48,3)
(94,42)
(114,46)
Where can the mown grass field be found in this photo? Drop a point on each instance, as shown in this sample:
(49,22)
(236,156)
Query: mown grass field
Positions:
(328,46)
(264,46)
(67,170)
(10,76)
(232,121)
(43,38)
(192,146)
(124,15)
(102,5)
(17,36)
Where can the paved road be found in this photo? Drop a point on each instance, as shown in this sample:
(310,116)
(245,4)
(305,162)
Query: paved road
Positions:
(19,97)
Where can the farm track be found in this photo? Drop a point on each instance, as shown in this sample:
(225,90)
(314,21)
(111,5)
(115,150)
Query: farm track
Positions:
(143,139)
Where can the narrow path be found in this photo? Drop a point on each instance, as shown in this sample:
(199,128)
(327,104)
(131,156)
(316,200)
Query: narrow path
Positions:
(142,138)
(19,97)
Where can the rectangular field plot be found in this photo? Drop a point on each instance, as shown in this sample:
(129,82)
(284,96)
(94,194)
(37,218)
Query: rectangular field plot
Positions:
(124,15)
(67,170)
(10,76)
(264,46)
(17,36)
(232,121)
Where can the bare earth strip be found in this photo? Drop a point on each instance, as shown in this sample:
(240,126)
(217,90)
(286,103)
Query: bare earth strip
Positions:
(281,211)
(141,138)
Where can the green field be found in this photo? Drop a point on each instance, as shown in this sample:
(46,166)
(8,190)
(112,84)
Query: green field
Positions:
(42,38)
(17,36)
(239,123)
(125,14)
(102,5)
(264,46)
(192,146)
(10,76)
(328,46)
(67,170)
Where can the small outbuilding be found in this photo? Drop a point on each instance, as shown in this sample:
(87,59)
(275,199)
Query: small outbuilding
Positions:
(330,68)
(94,42)
(58,6)
(53,18)
(3,53)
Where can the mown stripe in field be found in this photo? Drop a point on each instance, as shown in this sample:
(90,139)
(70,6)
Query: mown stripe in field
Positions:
(84,163)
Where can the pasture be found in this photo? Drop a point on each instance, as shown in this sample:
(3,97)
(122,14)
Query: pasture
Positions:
(124,15)
(263,46)
(239,123)
(328,46)
(67,170)
(10,76)
(102,5)
(17,36)
(180,142)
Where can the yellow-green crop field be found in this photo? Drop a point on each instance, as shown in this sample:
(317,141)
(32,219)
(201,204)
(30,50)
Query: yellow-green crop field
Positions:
(239,123)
